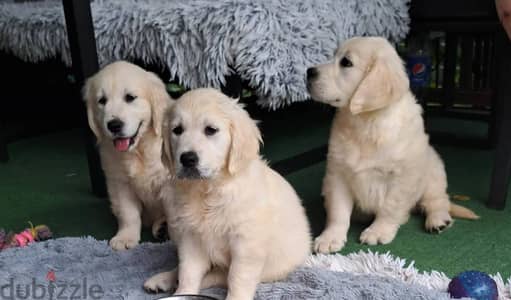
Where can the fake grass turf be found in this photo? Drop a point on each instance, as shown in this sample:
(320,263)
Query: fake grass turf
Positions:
(46,181)
(483,245)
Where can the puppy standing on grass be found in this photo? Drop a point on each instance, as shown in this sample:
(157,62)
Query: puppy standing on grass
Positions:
(235,221)
(125,107)
(379,158)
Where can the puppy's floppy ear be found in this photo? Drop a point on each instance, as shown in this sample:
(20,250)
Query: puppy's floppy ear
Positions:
(89,96)
(166,153)
(245,139)
(159,99)
(385,81)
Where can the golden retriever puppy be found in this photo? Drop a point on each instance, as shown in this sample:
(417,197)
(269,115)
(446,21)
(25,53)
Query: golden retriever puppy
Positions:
(379,160)
(235,221)
(125,108)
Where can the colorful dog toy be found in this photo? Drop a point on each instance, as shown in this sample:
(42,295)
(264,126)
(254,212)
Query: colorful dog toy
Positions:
(29,235)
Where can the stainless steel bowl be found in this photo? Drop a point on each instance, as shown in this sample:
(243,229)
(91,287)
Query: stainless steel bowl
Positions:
(188,297)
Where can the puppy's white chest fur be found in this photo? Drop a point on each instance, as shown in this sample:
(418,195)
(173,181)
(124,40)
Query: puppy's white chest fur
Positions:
(371,152)
(146,176)
(209,218)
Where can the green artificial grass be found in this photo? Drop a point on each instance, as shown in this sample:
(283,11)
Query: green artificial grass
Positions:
(46,182)
(483,245)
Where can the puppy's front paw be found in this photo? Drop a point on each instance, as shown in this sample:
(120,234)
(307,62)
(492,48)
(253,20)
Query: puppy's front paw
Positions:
(159,230)
(329,241)
(123,241)
(162,282)
(438,221)
(378,235)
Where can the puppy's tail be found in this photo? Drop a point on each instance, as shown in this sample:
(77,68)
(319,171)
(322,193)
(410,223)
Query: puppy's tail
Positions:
(459,211)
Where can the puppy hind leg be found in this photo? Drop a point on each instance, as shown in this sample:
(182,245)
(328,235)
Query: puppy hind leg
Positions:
(161,282)
(435,201)
(214,278)
(435,204)
(167,281)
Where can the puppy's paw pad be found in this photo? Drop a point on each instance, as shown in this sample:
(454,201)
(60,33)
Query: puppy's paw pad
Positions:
(160,283)
(328,243)
(374,237)
(436,223)
(156,288)
(120,242)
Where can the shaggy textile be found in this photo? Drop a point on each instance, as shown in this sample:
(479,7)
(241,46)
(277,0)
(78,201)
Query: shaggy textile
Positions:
(270,43)
(86,265)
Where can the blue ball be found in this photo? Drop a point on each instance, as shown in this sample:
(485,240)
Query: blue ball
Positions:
(473,284)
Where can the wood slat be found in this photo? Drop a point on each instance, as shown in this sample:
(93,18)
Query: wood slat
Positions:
(467,56)
(479,97)
(477,64)
(437,53)
(451,46)
(452,9)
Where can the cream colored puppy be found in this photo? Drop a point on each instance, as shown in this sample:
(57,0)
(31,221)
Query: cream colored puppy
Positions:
(379,158)
(235,221)
(125,107)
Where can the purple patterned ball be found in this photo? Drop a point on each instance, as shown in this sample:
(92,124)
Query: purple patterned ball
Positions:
(473,284)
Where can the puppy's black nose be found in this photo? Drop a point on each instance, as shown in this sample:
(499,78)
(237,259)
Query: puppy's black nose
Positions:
(189,159)
(312,73)
(115,125)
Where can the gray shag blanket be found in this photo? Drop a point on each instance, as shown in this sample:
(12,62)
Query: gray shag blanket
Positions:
(92,270)
(270,43)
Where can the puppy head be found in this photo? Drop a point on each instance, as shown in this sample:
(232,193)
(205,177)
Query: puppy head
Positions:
(366,74)
(207,134)
(125,102)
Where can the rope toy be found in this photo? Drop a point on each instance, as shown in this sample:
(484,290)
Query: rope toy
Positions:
(29,235)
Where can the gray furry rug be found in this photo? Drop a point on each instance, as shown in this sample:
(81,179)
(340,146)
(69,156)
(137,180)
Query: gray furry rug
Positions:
(91,270)
(270,43)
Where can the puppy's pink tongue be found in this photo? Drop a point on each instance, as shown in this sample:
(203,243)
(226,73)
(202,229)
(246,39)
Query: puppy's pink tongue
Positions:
(122,144)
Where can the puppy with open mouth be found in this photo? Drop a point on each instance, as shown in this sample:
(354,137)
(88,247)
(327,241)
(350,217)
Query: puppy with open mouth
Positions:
(235,221)
(125,107)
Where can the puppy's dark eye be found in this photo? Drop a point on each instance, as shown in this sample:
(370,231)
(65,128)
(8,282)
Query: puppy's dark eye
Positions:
(346,63)
(129,98)
(178,130)
(210,130)
(102,100)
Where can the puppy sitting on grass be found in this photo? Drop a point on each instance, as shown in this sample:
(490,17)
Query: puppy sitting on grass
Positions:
(379,160)
(235,221)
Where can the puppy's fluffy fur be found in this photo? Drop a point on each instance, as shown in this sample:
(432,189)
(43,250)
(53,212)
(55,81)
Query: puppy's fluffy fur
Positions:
(379,158)
(235,221)
(130,156)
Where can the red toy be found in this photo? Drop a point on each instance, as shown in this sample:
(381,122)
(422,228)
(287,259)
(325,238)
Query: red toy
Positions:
(29,235)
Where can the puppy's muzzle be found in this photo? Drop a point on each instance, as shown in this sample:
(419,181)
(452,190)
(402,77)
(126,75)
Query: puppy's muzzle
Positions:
(189,159)
(115,126)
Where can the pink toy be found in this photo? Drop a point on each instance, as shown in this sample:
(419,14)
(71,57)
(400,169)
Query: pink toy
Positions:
(24,238)
(27,236)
